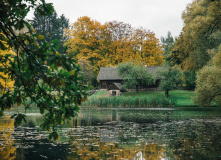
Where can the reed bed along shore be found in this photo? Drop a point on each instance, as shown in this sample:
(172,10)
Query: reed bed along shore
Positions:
(141,99)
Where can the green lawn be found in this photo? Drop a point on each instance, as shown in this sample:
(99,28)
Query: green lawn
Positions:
(98,94)
(182,97)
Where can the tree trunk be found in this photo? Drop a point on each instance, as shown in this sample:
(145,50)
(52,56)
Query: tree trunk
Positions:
(167,93)
(137,88)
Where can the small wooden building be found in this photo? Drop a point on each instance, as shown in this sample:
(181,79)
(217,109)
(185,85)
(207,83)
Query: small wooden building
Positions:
(114,89)
(107,76)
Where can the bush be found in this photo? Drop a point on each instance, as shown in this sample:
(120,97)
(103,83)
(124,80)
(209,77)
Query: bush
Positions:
(123,89)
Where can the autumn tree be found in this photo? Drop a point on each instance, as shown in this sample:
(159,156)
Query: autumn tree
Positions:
(5,82)
(208,84)
(83,41)
(147,48)
(134,75)
(36,76)
(119,38)
(113,43)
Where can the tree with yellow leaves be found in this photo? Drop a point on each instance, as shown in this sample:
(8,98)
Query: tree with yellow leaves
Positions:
(147,47)
(85,40)
(5,81)
(112,43)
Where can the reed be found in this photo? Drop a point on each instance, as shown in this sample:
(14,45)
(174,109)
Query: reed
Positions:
(121,101)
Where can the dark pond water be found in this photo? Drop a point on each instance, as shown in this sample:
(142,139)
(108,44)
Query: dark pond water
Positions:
(157,133)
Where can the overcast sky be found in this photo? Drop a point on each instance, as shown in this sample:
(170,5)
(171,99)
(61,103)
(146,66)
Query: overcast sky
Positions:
(159,16)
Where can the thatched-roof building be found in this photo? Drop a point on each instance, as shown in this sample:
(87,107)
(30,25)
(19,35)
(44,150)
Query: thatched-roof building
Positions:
(108,75)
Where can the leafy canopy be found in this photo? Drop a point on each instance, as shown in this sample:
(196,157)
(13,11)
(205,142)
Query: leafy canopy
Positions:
(208,84)
(200,37)
(169,80)
(5,82)
(134,75)
(112,43)
(54,84)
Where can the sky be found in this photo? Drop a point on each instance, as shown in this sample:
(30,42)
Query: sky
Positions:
(158,16)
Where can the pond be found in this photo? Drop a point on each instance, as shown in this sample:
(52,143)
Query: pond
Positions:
(98,133)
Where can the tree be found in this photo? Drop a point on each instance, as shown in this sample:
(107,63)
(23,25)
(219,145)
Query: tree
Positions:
(87,72)
(5,82)
(208,84)
(51,27)
(84,41)
(168,44)
(134,76)
(37,77)
(190,79)
(169,80)
(113,43)
(147,48)
(200,35)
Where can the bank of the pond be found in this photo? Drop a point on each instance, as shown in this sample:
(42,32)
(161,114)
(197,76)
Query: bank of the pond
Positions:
(142,99)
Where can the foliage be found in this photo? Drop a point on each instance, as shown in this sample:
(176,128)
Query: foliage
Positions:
(200,36)
(112,43)
(134,75)
(208,84)
(51,27)
(190,79)
(87,72)
(123,89)
(8,148)
(168,44)
(36,76)
(169,80)
(5,82)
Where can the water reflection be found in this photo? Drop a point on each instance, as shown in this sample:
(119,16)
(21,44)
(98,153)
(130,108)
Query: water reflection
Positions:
(118,134)
(7,149)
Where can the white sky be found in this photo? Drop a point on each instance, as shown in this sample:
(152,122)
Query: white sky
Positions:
(159,16)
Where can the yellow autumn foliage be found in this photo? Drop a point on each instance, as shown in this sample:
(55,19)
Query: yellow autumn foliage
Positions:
(5,82)
(112,43)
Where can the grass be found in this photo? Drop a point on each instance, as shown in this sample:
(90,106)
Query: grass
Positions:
(142,99)
(98,94)
(183,97)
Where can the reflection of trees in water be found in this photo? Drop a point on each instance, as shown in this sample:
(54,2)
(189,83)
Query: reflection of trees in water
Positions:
(112,140)
(119,134)
(7,150)
(201,140)
(94,149)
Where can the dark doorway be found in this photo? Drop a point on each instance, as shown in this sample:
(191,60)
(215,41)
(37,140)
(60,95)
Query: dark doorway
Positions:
(114,93)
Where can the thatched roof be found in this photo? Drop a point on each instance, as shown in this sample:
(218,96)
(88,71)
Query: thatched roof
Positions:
(110,73)
(116,86)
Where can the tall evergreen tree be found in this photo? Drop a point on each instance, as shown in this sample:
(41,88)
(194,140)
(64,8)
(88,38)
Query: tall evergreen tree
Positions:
(168,43)
(51,27)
